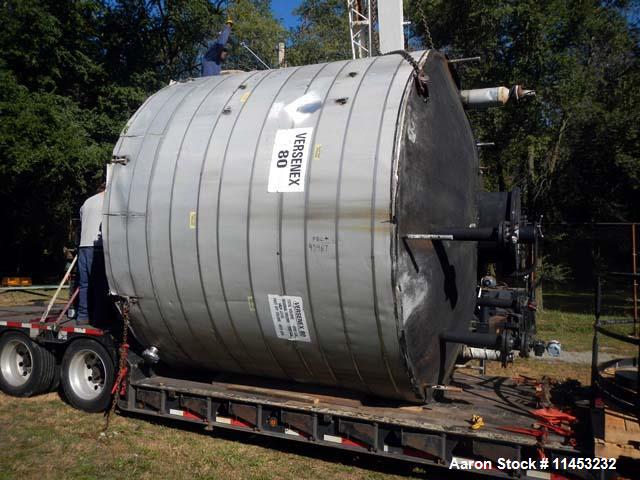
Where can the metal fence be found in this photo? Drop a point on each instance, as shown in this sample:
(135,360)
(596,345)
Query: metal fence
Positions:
(575,254)
(617,380)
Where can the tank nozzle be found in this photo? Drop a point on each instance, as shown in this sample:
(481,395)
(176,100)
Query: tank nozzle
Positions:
(480,98)
(151,355)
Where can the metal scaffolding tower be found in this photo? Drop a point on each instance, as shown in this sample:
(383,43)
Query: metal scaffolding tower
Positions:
(360,27)
(368,18)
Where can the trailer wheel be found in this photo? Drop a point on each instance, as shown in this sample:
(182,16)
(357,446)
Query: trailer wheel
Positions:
(26,368)
(55,380)
(87,375)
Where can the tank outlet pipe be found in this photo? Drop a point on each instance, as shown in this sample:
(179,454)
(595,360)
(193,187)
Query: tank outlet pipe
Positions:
(498,302)
(503,343)
(460,234)
(480,98)
(479,340)
(471,353)
(503,233)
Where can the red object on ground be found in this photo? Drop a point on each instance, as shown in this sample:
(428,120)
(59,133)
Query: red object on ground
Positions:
(553,415)
(538,434)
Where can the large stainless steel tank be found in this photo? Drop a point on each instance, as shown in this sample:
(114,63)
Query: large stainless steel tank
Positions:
(257,219)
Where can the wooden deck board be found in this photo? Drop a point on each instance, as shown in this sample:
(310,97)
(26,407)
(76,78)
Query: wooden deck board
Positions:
(621,436)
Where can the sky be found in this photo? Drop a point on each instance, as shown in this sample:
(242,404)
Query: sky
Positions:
(283,9)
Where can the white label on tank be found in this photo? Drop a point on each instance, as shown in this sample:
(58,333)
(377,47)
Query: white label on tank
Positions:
(289,160)
(288,317)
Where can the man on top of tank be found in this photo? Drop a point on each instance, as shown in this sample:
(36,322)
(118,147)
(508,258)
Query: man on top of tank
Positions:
(91,272)
(217,52)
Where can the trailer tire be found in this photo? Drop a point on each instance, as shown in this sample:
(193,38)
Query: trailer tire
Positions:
(87,375)
(26,368)
(55,381)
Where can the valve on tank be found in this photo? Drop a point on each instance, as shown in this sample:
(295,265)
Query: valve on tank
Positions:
(505,317)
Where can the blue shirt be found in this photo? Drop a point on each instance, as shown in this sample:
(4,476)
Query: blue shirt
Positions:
(212,61)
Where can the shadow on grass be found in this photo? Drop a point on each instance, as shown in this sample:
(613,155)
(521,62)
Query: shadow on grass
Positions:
(389,466)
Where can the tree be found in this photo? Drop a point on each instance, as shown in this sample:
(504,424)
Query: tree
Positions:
(259,30)
(71,73)
(323,34)
(581,57)
(574,149)
(47,157)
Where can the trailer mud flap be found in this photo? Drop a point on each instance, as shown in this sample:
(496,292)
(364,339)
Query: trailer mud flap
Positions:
(437,446)
(494,451)
(149,398)
(302,422)
(363,432)
(195,405)
(246,413)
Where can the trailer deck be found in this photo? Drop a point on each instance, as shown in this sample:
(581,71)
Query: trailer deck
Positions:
(500,401)
(438,433)
(435,433)
(52,328)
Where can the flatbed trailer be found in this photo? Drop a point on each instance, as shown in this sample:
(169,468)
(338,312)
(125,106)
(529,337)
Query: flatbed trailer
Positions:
(439,433)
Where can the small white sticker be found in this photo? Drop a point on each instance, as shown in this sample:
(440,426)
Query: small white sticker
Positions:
(289,160)
(288,317)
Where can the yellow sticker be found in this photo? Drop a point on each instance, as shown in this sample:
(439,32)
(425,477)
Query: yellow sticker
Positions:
(316,151)
(192,219)
(244,97)
(252,303)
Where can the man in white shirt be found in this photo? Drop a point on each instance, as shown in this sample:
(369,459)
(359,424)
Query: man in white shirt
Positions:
(91,273)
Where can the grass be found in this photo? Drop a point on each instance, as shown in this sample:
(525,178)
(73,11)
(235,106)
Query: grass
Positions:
(536,368)
(575,331)
(44,438)
(569,318)
(12,298)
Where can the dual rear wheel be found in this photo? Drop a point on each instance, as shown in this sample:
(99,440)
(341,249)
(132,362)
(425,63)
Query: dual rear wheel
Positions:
(87,375)
(86,372)
(25,367)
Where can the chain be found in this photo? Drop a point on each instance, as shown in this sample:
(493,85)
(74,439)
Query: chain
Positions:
(375,39)
(427,32)
(418,74)
(118,385)
(408,58)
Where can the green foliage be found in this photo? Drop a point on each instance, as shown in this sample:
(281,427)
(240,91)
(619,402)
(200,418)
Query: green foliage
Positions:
(71,73)
(553,272)
(48,160)
(574,149)
(323,34)
(255,26)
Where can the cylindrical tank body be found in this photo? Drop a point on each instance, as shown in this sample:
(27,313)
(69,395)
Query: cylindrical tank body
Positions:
(258,222)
